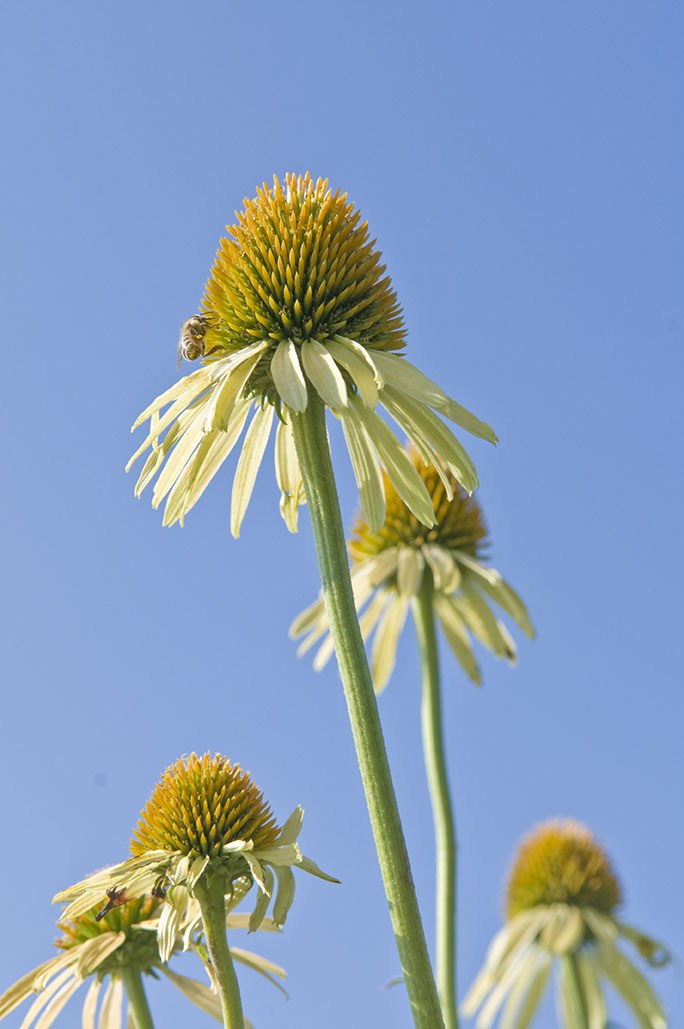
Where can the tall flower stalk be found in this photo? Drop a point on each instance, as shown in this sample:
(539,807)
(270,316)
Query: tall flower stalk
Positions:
(298,317)
(438,573)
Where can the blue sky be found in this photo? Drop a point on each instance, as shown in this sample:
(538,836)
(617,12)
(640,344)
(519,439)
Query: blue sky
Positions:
(521,166)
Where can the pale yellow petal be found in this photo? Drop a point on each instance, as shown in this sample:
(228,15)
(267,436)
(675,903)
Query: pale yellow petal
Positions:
(324,375)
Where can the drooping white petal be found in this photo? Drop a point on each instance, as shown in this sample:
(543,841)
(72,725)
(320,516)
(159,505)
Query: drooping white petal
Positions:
(323,654)
(525,994)
(182,392)
(385,642)
(367,471)
(202,996)
(537,985)
(445,573)
(215,448)
(262,965)
(93,952)
(570,993)
(173,910)
(90,1005)
(170,416)
(24,987)
(399,372)
(478,616)
(44,997)
(503,594)
(248,465)
(432,436)
(111,1013)
(520,931)
(58,1002)
(356,360)
(288,476)
(593,995)
(160,450)
(632,986)
(263,899)
(518,961)
(284,895)
(180,456)
(288,376)
(564,930)
(229,392)
(371,616)
(457,637)
(410,569)
(397,463)
(324,374)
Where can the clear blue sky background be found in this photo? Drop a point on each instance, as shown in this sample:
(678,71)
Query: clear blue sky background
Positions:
(521,166)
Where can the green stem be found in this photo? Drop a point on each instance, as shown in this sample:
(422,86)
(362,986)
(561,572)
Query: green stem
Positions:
(313,451)
(442,811)
(210,893)
(137,998)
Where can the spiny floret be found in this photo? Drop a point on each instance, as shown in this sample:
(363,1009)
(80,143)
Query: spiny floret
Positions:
(459,522)
(300,265)
(199,806)
(561,863)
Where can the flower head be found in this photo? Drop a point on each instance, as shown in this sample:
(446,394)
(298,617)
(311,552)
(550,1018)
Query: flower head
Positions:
(205,815)
(298,304)
(103,948)
(389,566)
(561,906)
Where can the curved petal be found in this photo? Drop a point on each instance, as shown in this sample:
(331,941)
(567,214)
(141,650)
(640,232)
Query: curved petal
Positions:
(400,469)
(367,471)
(385,643)
(248,465)
(288,376)
(324,374)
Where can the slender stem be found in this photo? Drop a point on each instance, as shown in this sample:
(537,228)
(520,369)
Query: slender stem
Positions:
(442,811)
(137,998)
(313,451)
(210,893)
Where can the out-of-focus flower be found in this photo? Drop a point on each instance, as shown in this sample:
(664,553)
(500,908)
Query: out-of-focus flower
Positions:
(297,303)
(101,949)
(561,909)
(389,567)
(204,814)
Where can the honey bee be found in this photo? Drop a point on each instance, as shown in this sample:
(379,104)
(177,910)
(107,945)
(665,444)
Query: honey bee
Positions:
(191,339)
(115,898)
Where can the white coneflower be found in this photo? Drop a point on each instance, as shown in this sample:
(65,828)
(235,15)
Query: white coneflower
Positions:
(205,833)
(114,953)
(297,303)
(561,906)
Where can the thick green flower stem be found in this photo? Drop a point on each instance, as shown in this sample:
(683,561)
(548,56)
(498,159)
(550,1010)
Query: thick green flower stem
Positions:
(138,1007)
(442,811)
(210,894)
(313,451)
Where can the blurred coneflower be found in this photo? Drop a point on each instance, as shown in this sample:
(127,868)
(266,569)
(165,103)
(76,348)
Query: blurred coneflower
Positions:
(561,904)
(390,567)
(115,952)
(205,834)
